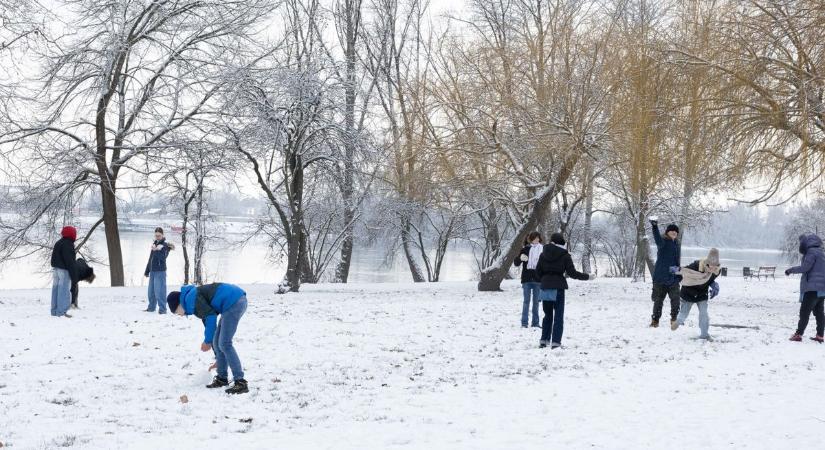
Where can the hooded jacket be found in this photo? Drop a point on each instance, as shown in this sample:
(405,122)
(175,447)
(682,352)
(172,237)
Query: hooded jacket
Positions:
(63,255)
(553,264)
(157,258)
(207,302)
(668,255)
(813,264)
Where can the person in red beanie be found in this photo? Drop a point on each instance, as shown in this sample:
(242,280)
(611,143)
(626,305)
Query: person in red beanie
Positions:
(64,271)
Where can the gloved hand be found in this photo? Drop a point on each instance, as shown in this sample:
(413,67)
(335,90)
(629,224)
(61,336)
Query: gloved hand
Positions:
(524,257)
(674,269)
(787,272)
(591,277)
(714,289)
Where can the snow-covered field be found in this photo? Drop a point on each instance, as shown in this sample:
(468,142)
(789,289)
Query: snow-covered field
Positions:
(403,366)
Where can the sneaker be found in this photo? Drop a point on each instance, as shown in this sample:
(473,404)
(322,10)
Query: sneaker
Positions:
(535,325)
(706,338)
(554,345)
(674,325)
(161,312)
(796,337)
(818,338)
(240,387)
(148,310)
(218,382)
(66,315)
(542,344)
(524,325)
(654,323)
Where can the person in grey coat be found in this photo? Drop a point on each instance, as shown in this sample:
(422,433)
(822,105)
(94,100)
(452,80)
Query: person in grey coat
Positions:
(811,286)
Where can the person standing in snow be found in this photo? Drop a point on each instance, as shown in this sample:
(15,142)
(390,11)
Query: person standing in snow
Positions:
(698,286)
(555,261)
(665,283)
(64,272)
(811,286)
(528,258)
(207,302)
(156,271)
(84,273)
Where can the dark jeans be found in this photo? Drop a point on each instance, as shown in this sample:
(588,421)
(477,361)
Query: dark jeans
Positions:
(810,303)
(553,325)
(661,291)
(74,291)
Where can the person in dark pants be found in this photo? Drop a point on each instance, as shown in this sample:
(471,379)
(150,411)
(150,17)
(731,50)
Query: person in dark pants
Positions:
(84,273)
(64,271)
(665,283)
(555,261)
(528,258)
(811,286)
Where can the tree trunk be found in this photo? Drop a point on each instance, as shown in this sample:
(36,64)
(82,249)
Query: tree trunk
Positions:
(639,263)
(491,277)
(587,240)
(406,243)
(199,235)
(109,201)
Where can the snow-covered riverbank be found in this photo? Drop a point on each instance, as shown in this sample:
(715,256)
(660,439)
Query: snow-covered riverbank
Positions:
(413,366)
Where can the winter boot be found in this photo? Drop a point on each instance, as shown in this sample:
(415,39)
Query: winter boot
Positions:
(218,382)
(819,339)
(239,387)
(796,337)
(654,323)
(674,325)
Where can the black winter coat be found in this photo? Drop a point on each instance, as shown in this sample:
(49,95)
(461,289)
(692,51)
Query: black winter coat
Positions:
(527,275)
(63,255)
(553,264)
(695,294)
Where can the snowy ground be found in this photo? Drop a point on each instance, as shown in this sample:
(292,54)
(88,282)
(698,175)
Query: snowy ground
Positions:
(436,366)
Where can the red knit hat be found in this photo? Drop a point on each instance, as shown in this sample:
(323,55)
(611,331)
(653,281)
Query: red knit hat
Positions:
(69,232)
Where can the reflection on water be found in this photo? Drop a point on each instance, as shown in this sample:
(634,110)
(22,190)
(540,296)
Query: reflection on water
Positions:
(248,264)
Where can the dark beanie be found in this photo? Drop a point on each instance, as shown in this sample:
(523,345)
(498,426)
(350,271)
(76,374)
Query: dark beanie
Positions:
(671,227)
(173,300)
(558,239)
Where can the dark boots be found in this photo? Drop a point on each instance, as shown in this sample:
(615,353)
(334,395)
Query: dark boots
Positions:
(218,382)
(240,387)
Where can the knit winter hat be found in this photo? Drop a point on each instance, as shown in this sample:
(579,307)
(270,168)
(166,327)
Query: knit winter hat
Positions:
(173,301)
(713,257)
(671,227)
(69,232)
(558,239)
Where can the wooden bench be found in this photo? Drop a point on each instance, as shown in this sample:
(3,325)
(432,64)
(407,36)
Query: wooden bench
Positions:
(763,272)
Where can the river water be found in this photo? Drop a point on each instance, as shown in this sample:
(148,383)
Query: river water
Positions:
(248,264)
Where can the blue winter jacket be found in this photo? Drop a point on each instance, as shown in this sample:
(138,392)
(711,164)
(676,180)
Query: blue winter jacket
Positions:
(157,258)
(813,264)
(667,256)
(207,301)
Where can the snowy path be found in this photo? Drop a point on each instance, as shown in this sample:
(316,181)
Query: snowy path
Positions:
(402,366)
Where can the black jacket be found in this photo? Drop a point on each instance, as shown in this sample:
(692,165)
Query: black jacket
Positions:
(698,293)
(554,263)
(157,258)
(63,257)
(527,275)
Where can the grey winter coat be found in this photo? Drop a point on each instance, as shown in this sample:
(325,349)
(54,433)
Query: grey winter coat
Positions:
(813,264)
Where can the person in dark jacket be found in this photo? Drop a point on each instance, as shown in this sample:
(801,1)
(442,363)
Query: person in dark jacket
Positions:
(64,271)
(156,271)
(207,302)
(665,283)
(811,286)
(84,273)
(528,258)
(555,261)
(698,286)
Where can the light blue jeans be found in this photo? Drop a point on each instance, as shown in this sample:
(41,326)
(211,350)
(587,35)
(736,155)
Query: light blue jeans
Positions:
(61,291)
(530,288)
(225,354)
(157,291)
(704,319)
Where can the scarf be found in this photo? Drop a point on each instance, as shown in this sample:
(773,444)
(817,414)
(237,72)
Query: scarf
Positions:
(535,252)
(692,277)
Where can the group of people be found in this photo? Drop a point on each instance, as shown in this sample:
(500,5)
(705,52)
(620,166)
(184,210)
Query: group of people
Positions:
(543,270)
(206,302)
